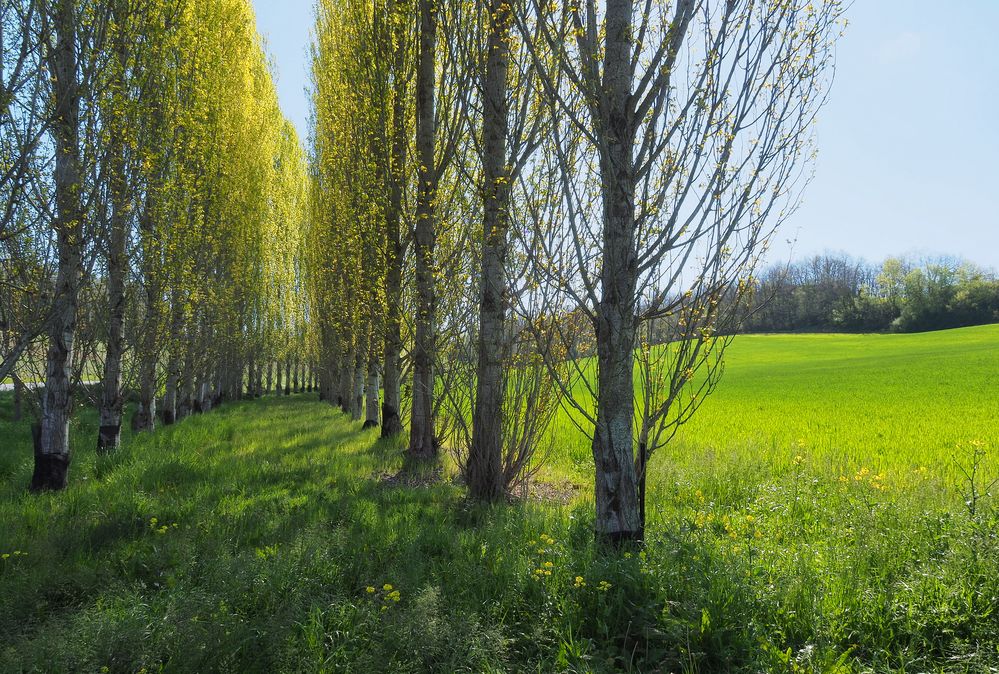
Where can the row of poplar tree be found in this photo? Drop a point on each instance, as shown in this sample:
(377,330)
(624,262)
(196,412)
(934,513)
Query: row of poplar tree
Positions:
(512,210)
(153,214)
(515,204)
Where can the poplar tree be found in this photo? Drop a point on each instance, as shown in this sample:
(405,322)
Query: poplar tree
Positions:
(52,450)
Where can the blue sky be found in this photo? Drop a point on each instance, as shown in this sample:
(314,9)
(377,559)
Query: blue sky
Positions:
(908,144)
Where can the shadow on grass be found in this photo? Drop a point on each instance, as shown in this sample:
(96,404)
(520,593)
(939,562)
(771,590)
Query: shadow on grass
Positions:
(259,537)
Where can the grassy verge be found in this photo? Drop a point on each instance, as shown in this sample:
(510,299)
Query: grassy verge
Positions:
(258,538)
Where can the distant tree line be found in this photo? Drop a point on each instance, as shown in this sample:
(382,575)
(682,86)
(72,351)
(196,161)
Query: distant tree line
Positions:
(841,293)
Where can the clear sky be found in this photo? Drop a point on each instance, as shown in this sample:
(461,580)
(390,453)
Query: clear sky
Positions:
(908,144)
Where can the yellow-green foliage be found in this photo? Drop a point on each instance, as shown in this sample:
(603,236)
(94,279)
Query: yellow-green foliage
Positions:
(226,175)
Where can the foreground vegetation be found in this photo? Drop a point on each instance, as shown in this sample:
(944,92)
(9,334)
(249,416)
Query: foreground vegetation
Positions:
(274,535)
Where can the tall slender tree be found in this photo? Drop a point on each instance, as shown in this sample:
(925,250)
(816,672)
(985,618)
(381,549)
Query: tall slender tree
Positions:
(52,450)
(422,439)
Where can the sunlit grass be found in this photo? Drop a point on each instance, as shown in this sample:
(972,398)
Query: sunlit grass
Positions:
(890,403)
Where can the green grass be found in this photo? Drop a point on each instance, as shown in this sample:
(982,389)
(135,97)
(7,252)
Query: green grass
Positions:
(786,535)
(890,403)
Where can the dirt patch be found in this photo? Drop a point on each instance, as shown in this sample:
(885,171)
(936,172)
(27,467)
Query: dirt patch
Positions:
(560,493)
(408,478)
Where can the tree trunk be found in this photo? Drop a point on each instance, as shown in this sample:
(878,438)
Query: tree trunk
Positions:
(186,388)
(613,444)
(112,401)
(371,391)
(218,391)
(357,390)
(485,459)
(422,443)
(52,455)
(270,376)
(392,404)
(346,382)
(287,376)
(145,416)
(170,393)
(277,382)
(252,378)
(204,394)
(18,398)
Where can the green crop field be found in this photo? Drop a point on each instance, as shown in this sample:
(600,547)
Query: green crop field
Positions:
(815,516)
(890,403)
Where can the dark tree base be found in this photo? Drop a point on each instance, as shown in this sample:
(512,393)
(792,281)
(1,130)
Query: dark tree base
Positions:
(430,453)
(168,417)
(370,423)
(108,438)
(141,421)
(51,470)
(391,423)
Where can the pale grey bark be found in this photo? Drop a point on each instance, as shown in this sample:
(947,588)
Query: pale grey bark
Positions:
(52,451)
(145,415)
(185,391)
(357,389)
(112,400)
(169,411)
